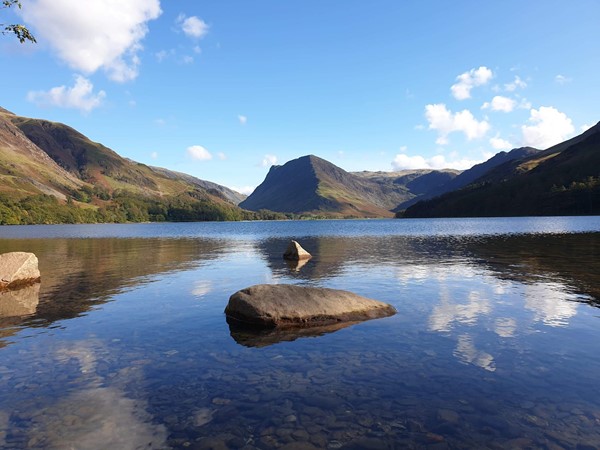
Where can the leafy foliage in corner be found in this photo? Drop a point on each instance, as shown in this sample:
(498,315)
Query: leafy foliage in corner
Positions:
(20,31)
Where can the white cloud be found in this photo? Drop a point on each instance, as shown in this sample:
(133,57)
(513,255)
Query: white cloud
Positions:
(402,161)
(246,190)
(94,34)
(524,104)
(517,83)
(561,79)
(586,127)
(446,122)
(500,103)
(198,152)
(243,119)
(160,122)
(548,127)
(154,155)
(192,26)
(500,144)
(187,59)
(161,55)
(222,156)
(80,96)
(268,161)
(468,80)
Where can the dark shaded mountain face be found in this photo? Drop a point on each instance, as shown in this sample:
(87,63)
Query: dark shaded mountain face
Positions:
(313,185)
(563,180)
(469,176)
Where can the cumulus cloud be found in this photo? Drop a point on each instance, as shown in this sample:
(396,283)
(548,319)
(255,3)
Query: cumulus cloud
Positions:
(500,144)
(192,26)
(199,153)
(81,96)
(445,122)
(461,90)
(500,103)
(268,161)
(243,119)
(402,161)
(95,34)
(517,83)
(561,79)
(548,126)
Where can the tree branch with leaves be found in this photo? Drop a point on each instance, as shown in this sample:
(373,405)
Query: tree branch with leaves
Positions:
(21,31)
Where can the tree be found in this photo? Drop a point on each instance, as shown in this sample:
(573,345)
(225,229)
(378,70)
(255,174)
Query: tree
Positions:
(21,31)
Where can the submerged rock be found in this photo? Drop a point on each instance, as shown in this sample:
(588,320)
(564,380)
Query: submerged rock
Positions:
(18,269)
(295,252)
(284,305)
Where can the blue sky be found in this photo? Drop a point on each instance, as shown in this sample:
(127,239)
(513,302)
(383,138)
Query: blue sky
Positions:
(223,89)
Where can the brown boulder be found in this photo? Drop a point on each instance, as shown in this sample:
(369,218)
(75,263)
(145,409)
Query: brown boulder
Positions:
(284,305)
(18,269)
(295,252)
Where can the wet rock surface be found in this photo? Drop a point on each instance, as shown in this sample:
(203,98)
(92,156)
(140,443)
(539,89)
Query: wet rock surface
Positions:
(286,305)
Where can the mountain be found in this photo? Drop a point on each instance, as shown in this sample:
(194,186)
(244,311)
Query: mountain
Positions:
(51,173)
(562,180)
(229,194)
(315,186)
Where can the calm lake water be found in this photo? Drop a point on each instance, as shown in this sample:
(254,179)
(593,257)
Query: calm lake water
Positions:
(496,343)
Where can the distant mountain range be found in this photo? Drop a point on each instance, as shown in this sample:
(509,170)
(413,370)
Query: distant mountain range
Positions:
(562,180)
(312,185)
(51,173)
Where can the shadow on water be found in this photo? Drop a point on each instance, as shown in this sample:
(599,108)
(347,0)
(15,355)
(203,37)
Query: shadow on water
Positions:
(250,336)
(570,259)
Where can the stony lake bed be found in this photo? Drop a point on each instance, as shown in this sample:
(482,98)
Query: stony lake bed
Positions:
(125,344)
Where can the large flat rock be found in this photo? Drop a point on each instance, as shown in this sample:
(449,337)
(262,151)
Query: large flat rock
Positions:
(284,305)
(18,269)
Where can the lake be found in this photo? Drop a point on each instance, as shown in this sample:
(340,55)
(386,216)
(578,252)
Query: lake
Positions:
(496,343)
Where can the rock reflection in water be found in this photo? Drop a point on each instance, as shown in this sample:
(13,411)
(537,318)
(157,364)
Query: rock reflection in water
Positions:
(256,337)
(15,307)
(21,302)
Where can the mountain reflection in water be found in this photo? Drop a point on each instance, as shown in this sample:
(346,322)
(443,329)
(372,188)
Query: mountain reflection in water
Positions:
(496,343)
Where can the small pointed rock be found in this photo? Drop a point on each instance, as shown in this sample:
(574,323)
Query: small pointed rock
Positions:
(18,269)
(295,252)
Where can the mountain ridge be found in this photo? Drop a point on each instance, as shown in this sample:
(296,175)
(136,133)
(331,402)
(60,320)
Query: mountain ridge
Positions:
(562,180)
(52,173)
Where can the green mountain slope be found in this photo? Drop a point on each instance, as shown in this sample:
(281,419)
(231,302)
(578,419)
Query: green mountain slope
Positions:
(51,173)
(563,180)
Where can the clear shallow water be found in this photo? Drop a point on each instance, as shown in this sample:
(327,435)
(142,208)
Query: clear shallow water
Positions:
(495,344)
